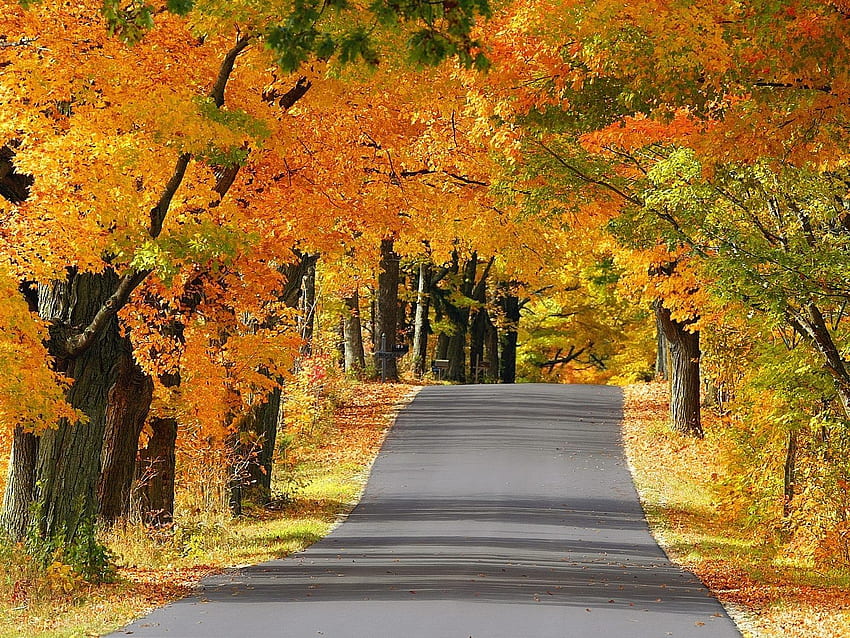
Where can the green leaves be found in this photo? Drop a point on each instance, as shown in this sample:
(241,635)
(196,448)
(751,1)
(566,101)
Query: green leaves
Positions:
(129,22)
(180,7)
(440,31)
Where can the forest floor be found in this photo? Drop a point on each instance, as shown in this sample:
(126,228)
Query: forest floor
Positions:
(154,569)
(677,478)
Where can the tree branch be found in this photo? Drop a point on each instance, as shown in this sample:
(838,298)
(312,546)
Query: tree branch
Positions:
(129,281)
(217,93)
(588,178)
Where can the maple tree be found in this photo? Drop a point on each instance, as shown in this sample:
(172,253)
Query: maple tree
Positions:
(178,240)
(160,221)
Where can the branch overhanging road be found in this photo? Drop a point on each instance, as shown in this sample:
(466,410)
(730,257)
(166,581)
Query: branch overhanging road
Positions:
(492,511)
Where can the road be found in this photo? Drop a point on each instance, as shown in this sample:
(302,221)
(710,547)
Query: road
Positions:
(493,511)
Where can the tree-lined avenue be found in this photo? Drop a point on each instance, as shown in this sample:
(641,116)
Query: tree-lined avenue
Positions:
(492,511)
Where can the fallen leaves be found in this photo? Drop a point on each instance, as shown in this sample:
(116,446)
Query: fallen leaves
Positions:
(675,478)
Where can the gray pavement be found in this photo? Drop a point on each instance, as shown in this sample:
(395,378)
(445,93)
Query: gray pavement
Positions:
(493,511)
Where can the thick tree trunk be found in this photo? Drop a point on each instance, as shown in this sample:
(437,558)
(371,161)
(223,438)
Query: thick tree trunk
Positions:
(20,488)
(355,358)
(442,349)
(510,307)
(262,425)
(459,316)
(129,402)
(477,335)
(420,324)
(68,464)
(478,327)
(386,310)
(684,373)
(156,471)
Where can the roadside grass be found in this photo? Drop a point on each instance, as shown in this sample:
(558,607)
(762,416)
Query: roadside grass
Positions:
(157,567)
(767,594)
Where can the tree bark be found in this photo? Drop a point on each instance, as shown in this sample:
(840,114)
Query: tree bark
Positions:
(420,324)
(355,358)
(662,352)
(68,463)
(459,316)
(386,310)
(156,472)
(20,487)
(128,405)
(478,325)
(262,424)
(510,306)
(684,373)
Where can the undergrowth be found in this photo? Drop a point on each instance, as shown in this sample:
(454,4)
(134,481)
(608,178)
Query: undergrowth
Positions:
(686,490)
(53,592)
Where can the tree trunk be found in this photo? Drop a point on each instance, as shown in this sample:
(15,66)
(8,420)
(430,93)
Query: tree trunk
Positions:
(155,473)
(129,402)
(420,324)
(68,464)
(355,358)
(459,316)
(491,349)
(662,352)
(810,323)
(478,326)
(510,307)
(262,425)
(684,373)
(386,310)
(20,487)
(307,314)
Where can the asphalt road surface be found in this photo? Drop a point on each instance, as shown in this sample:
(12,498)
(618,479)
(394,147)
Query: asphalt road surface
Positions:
(493,511)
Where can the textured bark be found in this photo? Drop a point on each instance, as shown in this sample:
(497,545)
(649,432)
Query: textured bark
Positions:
(459,316)
(68,464)
(262,424)
(128,406)
(355,358)
(386,309)
(662,352)
(156,471)
(510,306)
(294,274)
(420,323)
(20,488)
(684,373)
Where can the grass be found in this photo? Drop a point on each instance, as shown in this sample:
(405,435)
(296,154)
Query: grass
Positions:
(154,568)
(767,592)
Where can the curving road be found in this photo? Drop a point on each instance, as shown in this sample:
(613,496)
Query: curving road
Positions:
(493,511)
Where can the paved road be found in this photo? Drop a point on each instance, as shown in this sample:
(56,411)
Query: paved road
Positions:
(492,512)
